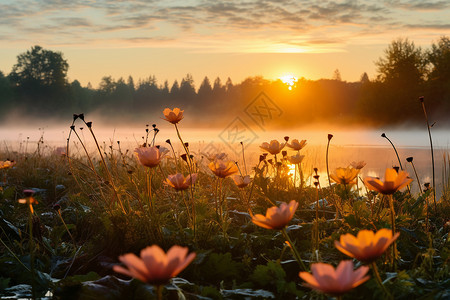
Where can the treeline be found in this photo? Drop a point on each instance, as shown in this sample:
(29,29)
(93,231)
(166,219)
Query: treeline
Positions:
(37,86)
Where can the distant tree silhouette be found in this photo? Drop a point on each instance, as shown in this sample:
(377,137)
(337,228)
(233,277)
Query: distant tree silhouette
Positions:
(337,75)
(364,78)
(403,63)
(439,78)
(40,76)
(40,66)
(205,87)
(130,83)
(6,94)
(403,70)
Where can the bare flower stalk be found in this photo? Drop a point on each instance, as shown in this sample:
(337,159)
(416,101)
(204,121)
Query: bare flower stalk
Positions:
(432,152)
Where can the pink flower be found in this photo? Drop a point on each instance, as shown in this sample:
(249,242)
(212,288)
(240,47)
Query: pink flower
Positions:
(223,169)
(296,145)
(241,181)
(273,148)
(154,266)
(179,182)
(276,217)
(149,156)
(326,279)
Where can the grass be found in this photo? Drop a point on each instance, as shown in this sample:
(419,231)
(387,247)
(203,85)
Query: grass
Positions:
(103,209)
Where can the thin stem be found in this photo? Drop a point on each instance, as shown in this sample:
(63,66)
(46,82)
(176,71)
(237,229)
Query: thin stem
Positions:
(31,245)
(378,279)
(65,225)
(396,153)
(159,290)
(394,244)
(417,177)
(107,170)
(294,250)
(432,152)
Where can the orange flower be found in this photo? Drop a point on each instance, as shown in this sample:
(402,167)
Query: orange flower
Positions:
(154,266)
(276,217)
(179,183)
(367,246)
(273,148)
(240,181)
(296,145)
(29,199)
(295,159)
(326,279)
(7,164)
(222,169)
(393,182)
(358,165)
(345,175)
(149,156)
(173,116)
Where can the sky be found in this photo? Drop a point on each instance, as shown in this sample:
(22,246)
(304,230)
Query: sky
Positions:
(233,38)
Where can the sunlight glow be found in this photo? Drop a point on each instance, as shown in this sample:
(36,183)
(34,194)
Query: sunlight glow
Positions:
(289,80)
(291,170)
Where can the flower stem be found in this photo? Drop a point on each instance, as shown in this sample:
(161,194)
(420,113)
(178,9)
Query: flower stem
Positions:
(294,250)
(432,152)
(394,244)
(378,279)
(159,290)
(31,245)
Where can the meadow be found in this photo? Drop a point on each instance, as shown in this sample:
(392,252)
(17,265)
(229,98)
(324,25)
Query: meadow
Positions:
(162,221)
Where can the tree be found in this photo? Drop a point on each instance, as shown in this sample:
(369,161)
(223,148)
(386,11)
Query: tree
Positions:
(402,72)
(40,66)
(6,93)
(364,78)
(205,88)
(403,63)
(337,75)
(40,81)
(439,58)
(439,78)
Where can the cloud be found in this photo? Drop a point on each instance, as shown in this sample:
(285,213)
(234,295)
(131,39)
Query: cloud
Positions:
(419,5)
(210,24)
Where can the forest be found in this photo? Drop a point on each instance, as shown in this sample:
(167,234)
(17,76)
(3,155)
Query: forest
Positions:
(38,86)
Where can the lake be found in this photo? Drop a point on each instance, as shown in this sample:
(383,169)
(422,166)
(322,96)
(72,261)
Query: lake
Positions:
(347,145)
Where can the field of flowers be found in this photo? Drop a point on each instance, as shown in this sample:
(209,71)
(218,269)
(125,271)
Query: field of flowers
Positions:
(164,222)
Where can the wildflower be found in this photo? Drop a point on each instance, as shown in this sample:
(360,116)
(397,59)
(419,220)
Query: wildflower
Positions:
(367,246)
(241,181)
(276,217)
(337,281)
(29,199)
(154,266)
(149,156)
(345,175)
(295,159)
(358,165)
(179,182)
(173,116)
(273,148)
(393,182)
(296,145)
(223,169)
(7,164)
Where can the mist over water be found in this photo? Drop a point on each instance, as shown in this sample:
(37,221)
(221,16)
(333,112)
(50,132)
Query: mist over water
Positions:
(347,145)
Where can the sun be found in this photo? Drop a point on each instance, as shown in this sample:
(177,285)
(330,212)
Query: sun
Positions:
(290,80)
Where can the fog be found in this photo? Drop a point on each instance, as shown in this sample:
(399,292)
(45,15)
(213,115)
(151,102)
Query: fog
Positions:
(347,144)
